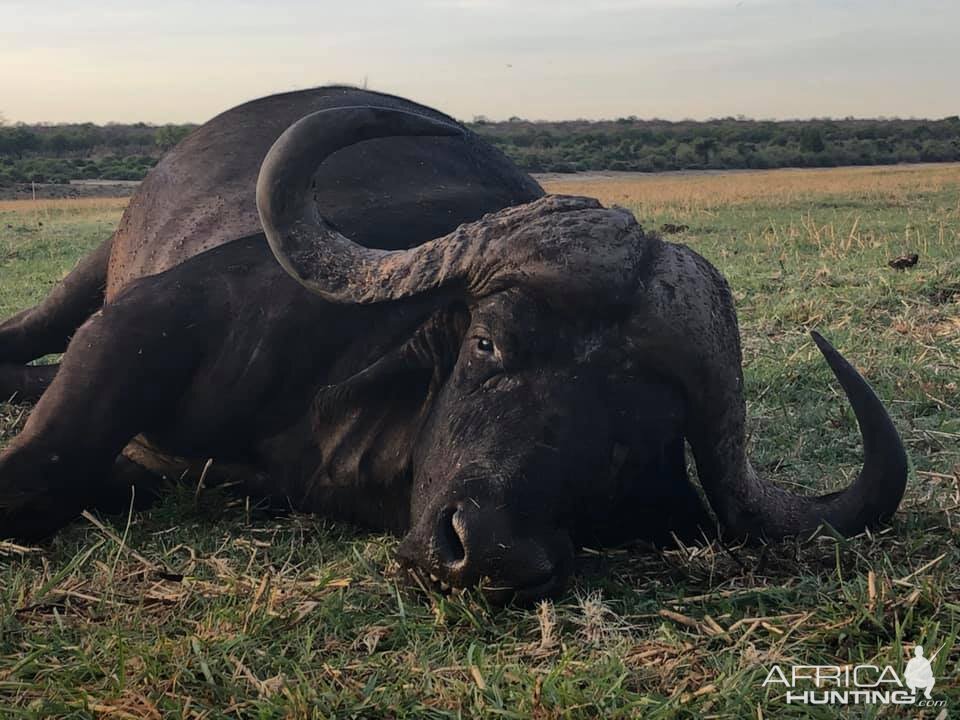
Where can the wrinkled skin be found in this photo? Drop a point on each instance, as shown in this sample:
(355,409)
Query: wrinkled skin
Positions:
(522,417)
(522,439)
(499,389)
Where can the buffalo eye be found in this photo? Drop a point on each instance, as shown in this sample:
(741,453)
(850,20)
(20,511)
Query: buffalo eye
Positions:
(484,345)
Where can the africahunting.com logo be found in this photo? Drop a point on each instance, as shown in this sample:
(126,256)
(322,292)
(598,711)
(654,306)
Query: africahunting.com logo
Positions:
(857,684)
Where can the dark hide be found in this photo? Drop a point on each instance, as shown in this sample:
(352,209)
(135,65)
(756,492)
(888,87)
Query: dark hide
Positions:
(417,340)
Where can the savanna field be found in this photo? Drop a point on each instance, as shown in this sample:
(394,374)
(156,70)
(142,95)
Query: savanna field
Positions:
(206,606)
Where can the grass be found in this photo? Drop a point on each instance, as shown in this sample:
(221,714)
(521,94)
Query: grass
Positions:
(204,608)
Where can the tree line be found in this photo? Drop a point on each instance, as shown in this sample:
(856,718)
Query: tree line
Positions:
(59,153)
(729,143)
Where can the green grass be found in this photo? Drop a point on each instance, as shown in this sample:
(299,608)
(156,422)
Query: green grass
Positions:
(38,246)
(205,608)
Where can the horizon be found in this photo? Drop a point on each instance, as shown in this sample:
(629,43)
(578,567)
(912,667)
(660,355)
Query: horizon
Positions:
(483,118)
(671,60)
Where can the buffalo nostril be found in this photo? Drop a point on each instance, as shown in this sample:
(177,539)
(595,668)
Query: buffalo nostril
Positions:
(450,547)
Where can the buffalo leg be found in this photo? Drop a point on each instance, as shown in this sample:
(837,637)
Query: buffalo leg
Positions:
(25,383)
(124,372)
(47,328)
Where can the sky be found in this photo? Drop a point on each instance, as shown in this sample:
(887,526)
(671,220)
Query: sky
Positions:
(176,61)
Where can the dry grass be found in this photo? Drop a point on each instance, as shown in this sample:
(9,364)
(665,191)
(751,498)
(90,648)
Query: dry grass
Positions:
(202,609)
(696,193)
(91,204)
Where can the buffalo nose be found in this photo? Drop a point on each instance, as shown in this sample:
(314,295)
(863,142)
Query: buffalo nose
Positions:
(450,539)
(470,546)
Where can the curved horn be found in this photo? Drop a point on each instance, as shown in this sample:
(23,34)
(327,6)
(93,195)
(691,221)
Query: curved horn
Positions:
(688,331)
(871,499)
(304,243)
(749,506)
(523,243)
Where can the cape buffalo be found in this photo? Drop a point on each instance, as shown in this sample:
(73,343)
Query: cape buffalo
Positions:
(371,313)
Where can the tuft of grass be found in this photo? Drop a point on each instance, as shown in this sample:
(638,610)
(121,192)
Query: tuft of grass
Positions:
(204,608)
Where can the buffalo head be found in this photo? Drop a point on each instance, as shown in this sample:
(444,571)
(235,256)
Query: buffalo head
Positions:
(562,338)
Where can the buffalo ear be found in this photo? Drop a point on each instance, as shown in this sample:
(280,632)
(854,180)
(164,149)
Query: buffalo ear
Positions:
(424,359)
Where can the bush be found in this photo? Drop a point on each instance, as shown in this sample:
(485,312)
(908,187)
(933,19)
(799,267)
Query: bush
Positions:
(628,143)
(117,152)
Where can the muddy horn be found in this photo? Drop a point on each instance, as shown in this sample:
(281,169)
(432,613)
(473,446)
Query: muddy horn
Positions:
(748,506)
(332,265)
(519,243)
(305,244)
